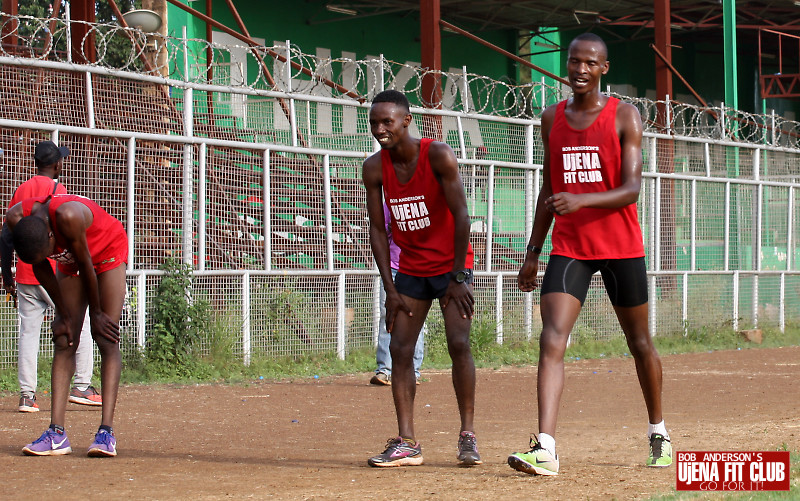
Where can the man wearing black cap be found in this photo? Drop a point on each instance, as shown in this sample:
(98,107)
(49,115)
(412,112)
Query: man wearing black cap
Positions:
(34,300)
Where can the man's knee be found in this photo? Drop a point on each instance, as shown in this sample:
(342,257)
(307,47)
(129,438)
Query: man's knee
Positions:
(641,345)
(459,345)
(552,343)
(402,352)
(61,344)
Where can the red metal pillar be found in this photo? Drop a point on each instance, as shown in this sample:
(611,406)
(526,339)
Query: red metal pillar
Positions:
(431,47)
(664,45)
(8,36)
(83,39)
(665,147)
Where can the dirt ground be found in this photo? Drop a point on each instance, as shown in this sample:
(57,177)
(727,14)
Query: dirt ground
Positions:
(309,439)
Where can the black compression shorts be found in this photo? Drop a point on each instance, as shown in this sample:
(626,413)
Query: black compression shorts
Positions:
(424,287)
(625,279)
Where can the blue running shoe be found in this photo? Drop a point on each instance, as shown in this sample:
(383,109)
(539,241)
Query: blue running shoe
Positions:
(51,443)
(105,445)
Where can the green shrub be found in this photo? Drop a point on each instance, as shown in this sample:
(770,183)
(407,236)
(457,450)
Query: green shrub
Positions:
(179,322)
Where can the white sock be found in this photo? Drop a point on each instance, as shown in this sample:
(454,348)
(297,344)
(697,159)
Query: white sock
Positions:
(659,428)
(548,443)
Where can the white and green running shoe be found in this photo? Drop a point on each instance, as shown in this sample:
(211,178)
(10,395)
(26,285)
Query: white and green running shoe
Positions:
(537,461)
(660,451)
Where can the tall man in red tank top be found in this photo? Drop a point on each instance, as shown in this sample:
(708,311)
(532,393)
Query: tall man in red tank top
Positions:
(420,183)
(90,248)
(591,180)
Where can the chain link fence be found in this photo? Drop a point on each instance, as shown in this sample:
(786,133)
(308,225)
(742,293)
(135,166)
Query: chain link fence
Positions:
(258,188)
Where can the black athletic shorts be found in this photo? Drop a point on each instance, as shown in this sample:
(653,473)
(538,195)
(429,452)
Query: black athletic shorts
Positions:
(625,279)
(434,287)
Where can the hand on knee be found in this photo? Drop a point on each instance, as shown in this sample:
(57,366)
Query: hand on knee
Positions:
(61,343)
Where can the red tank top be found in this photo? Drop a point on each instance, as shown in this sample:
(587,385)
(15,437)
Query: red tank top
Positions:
(37,186)
(589,161)
(422,224)
(105,237)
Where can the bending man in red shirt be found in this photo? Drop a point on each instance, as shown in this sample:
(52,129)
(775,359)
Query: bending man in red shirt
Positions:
(591,181)
(420,183)
(90,248)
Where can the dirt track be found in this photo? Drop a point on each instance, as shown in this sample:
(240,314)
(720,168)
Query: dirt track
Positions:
(309,439)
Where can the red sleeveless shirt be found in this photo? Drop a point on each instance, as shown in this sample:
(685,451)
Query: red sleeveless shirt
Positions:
(106,237)
(422,224)
(589,161)
(37,186)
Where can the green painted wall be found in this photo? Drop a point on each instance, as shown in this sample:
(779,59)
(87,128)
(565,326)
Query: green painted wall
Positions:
(178,18)
(397,37)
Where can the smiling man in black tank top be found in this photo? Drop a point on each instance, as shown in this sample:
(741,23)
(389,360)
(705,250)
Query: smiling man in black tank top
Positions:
(420,183)
(591,181)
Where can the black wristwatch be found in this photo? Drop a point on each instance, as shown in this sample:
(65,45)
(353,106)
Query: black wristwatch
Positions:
(463,275)
(534,249)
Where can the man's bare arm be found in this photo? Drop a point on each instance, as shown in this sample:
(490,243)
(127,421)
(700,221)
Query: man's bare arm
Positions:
(72,220)
(445,166)
(372,176)
(543,217)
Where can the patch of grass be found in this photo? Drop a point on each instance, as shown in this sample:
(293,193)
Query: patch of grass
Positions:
(216,360)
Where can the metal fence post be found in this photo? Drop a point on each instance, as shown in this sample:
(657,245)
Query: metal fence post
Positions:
(773,142)
(465,90)
(790,229)
(246,348)
(544,97)
(736,300)
(462,145)
(498,304)
(141,310)
(656,259)
(326,168)
(292,111)
(531,187)
(693,227)
(668,110)
(201,207)
(781,304)
(130,219)
(188,167)
(727,227)
(757,248)
(266,196)
(489,217)
(685,304)
(89,101)
(341,335)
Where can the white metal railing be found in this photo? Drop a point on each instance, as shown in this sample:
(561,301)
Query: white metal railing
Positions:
(181,162)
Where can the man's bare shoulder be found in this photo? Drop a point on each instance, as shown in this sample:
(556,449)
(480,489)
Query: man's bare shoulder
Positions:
(549,113)
(74,211)
(372,171)
(374,158)
(14,214)
(372,162)
(628,118)
(627,110)
(439,150)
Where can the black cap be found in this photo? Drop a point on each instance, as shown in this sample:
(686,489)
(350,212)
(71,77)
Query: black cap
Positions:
(47,153)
